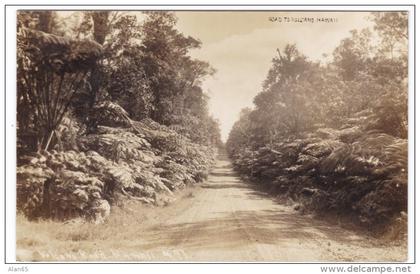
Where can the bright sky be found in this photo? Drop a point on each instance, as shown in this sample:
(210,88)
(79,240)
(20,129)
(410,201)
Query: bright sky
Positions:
(241,45)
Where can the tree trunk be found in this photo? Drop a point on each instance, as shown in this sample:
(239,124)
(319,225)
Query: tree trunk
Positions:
(100,25)
(45,21)
(100,31)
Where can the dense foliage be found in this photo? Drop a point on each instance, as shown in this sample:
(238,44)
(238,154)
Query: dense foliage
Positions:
(107,106)
(334,135)
(126,159)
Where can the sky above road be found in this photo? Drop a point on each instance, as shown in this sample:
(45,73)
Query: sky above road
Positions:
(241,45)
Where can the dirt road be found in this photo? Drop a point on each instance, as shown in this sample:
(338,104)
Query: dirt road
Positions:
(223,219)
(228,220)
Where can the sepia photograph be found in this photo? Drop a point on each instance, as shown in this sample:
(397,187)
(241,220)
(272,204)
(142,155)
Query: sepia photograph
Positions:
(217,136)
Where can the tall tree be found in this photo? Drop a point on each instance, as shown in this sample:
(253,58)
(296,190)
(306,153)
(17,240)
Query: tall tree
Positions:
(279,107)
(51,71)
(100,31)
(393,30)
(172,72)
(353,54)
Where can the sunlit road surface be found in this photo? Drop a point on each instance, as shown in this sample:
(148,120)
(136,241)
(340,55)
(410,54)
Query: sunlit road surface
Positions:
(228,220)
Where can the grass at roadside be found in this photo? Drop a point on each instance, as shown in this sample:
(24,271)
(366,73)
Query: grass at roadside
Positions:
(119,238)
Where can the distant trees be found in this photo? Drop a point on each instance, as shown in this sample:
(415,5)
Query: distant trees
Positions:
(393,30)
(240,137)
(352,56)
(286,105)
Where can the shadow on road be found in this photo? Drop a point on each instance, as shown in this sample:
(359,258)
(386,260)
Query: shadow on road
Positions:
(232,228)
(272,227)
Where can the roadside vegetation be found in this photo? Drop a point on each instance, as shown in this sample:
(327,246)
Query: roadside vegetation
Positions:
(333,135)
(109,109)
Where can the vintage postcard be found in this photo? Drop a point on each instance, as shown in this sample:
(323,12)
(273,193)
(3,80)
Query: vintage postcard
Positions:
(212,135)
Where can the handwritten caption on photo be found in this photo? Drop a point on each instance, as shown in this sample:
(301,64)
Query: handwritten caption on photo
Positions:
(304,19)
